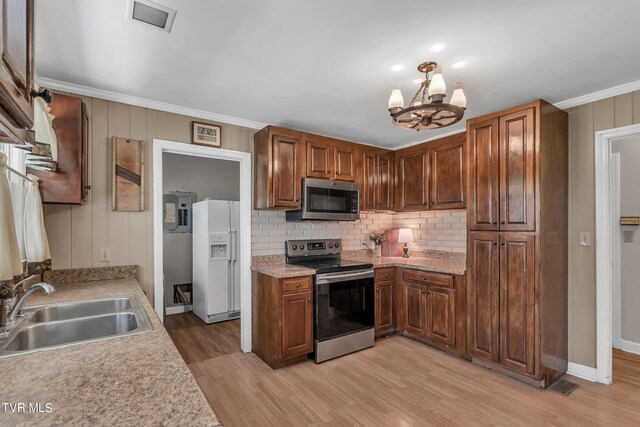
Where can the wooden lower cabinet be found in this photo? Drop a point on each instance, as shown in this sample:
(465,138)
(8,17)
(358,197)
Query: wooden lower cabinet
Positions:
(432,308)
(384,301)
(282,319)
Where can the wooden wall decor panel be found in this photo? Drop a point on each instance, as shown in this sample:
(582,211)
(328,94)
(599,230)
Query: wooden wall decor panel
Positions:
(128,175)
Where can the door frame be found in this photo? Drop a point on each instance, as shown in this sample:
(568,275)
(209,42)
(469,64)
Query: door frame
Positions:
(161,146)
(604,246)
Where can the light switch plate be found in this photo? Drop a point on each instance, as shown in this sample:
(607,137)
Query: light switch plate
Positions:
(105,254)
(585,238)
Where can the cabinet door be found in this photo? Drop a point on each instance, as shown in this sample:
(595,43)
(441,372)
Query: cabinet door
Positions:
(517,177)
(517,302)
(483,295)
(345,163)
(384,307)
(16,67)
(483,165)
(447,176)
(412,181)
(414,308)
(297,324)
(441,315)
(385,181)
(319,159)
(369,182)
(286,172)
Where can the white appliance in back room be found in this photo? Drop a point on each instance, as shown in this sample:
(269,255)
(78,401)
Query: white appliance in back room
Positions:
(216,267)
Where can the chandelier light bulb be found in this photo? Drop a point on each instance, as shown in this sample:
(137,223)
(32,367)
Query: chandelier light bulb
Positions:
(437,85)
(396,100)
(458,97)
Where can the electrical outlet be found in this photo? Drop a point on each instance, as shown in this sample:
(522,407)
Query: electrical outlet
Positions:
(585,238)
(105,254)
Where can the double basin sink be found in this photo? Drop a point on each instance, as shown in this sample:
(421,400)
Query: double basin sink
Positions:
(57,325)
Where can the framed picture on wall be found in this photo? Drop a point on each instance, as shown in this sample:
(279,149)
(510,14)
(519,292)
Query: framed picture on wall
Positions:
(204,134)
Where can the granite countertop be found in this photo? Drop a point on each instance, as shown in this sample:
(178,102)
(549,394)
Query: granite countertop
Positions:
(426,264)
(281,270)
(133,380)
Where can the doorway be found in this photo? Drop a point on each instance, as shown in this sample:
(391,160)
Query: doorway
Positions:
(615,288)
(193,155)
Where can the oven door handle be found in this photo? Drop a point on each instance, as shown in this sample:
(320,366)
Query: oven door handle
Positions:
(325,278)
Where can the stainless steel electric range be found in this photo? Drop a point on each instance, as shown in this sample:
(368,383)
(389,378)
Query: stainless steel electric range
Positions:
(343,297)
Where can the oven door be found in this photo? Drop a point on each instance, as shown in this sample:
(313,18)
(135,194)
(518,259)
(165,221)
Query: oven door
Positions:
(330,200)
(344,303)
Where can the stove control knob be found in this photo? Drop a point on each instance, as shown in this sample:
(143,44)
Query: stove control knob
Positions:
(294,247)
(330,245)
(337,245)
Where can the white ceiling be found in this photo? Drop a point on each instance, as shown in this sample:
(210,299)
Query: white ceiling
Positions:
(324,66)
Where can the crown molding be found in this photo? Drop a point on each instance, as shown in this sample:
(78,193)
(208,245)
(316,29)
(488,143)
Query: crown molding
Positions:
(597,96)
(146,103)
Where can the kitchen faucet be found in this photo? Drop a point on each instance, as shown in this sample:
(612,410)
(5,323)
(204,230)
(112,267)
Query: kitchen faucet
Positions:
(8,319)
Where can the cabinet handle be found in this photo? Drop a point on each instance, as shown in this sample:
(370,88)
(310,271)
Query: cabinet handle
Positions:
(337,173)
(309,299)
(501,243)
(329,171)
(424,292)
(87,187)
(386,275)
(297,285)
(494,243)
(502,221)
(494,221)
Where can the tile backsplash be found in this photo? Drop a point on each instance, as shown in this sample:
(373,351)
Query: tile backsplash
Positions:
(435,230)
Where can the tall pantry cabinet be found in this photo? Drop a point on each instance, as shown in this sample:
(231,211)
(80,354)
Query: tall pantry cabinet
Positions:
(517,241)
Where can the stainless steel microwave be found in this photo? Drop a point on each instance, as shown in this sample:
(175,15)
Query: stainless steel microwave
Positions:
(324,199)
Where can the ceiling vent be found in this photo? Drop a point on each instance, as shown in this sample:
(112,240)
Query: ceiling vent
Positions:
(150,13)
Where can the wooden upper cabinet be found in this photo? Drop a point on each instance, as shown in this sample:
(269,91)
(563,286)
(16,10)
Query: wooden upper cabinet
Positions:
(447,172)
(345,160)
(330,159)
(385,181)
(517,302)
(501,182)
(517,177)
(483,295)
(278,166)
(69,183)
(16,66)
(483,175)
(377,181)
(369,182)
(412,192)
(319,157)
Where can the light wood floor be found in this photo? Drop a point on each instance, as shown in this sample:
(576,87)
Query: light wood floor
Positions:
(397,383)
(626,369)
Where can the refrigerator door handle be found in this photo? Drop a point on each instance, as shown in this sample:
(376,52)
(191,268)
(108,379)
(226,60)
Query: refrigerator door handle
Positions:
(235,244)
(229,248)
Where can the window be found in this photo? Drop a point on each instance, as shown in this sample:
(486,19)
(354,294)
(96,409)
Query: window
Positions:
(15,158)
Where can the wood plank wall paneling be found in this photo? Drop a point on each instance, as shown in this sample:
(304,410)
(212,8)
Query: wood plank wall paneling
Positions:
(76,233)
(584,121)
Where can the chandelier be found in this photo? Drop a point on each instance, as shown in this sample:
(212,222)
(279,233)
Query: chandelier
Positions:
(427,109)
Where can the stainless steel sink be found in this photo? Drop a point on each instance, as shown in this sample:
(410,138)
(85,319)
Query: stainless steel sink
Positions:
(77,309)
(59,325)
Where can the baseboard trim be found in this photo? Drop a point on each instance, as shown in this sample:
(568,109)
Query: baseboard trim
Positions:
(581,371)
(176,310)
(628,346)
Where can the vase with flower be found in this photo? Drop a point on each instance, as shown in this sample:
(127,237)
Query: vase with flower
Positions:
(378,238)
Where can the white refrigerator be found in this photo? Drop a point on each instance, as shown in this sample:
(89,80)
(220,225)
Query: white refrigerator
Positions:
(216,267)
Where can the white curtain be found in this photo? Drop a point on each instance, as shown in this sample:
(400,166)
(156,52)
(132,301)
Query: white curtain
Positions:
(18,193)
(10,261)
(35,236)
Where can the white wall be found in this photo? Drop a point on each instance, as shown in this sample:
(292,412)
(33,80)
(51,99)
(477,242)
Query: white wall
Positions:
(629,252)
(208,178)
